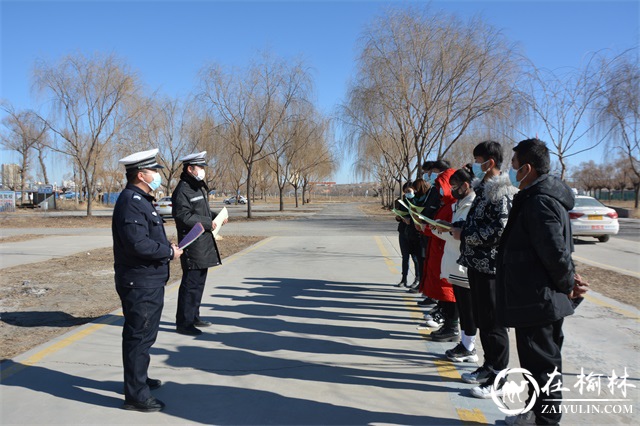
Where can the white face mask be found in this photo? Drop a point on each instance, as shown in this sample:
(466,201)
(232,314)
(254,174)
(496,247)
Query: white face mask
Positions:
(200,175)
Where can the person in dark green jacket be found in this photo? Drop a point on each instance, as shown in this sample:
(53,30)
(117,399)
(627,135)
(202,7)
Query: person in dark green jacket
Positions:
(190,206)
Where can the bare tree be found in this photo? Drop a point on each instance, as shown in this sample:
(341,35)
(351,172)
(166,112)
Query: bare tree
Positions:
(23,131)
(252,104)
(618,110)
(423,79)
(90,98)
(561,101)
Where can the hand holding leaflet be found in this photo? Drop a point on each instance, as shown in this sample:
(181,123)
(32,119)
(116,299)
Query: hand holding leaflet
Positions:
(219,220)
(193,235)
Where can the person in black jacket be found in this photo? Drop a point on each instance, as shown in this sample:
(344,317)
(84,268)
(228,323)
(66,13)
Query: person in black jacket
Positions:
(141,254)
(535,274)
(402,238)
(190,205)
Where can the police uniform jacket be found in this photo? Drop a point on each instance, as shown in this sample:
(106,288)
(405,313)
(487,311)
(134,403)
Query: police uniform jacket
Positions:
(535,270)
(190,205)
(141,250)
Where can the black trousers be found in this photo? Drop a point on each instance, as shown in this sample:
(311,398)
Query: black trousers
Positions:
(539,351)
(190,296)
(142,309)
(494,338)
(465,310)
(404,250)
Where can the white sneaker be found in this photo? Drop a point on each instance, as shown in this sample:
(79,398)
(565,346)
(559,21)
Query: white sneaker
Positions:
(484,391)
(522,419)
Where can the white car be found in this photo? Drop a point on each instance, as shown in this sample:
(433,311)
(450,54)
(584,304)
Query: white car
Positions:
(232,200)
(163,206)
(590,218)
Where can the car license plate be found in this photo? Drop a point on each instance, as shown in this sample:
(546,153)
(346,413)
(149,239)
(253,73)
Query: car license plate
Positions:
(595,217)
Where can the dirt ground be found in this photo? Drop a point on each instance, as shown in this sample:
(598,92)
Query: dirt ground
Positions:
(44,300)
(622,288)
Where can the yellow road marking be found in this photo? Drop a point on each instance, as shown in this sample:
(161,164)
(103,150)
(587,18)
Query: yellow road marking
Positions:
(57,346)
(623,312)
(472,416)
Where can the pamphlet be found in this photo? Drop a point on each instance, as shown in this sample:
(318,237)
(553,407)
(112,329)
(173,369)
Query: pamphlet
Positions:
(221,217)
(193,235)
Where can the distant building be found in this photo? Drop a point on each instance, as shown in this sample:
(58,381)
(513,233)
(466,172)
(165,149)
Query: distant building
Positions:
(10,174)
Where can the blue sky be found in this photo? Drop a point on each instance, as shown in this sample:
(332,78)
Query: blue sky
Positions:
(167,42)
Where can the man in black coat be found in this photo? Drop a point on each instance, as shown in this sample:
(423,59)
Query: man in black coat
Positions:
(141,254)
(535,275)
(190,205)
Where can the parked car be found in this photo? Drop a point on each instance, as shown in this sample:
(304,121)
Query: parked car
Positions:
(163,206)
(589,217)
(232,200)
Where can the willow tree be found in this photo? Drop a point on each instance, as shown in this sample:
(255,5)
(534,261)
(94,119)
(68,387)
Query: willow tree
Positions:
(91,99)
(422,80)
(253,103)
(618,111)
(561,100)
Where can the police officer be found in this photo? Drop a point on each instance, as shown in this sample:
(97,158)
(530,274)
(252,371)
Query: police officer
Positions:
(191,206)
(141,261)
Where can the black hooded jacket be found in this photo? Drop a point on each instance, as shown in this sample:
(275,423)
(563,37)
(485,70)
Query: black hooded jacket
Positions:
(534,266)
(190,206)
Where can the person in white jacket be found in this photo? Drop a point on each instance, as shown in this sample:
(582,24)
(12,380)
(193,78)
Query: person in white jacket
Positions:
(455,273)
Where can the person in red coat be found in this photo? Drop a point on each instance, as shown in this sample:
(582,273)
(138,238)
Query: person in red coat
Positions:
(433,286)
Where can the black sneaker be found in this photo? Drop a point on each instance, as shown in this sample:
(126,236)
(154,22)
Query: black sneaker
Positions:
(427,302)
(460,354)
(402,283)
(480,375)
(445,334)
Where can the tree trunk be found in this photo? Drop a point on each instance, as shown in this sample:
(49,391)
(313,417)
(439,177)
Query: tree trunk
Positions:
(44,168)
(89,186)
(23,175)
(281,194)
(295,193)
(249,168)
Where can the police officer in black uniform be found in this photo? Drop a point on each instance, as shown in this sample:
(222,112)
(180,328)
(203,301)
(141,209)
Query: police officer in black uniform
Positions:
(191,206)
(141,261)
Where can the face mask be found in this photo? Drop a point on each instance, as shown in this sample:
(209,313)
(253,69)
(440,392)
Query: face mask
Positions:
(456,193)
(425,176)
(477,170)
(441,192)
(155,183)
(200,175)
(409,195)
(512,176)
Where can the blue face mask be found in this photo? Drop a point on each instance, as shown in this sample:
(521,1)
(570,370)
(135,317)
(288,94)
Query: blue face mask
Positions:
(430,177)
(441,192)
(512,177)
(155,183)
(477,170)
(409,195)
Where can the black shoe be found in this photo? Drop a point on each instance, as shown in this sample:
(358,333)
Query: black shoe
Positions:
(445,334)
(416,283)
(202,323)
(427,302)
(413,290)
(189,330)
(154,383)
(148,406)
(402,283)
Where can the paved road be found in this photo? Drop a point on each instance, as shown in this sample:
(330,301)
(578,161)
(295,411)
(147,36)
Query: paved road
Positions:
(308,330)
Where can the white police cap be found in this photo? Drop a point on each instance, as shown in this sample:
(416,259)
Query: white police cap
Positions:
(141,160)
(196,159)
